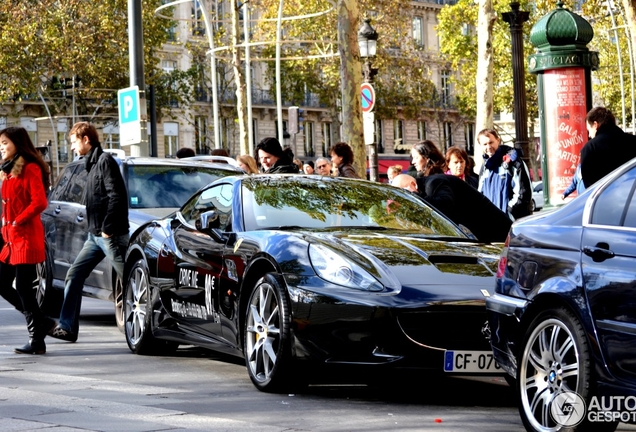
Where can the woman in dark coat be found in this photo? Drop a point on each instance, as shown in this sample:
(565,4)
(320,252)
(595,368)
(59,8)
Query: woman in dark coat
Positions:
(273,159)
(427,159)
(25,178)
(342,157)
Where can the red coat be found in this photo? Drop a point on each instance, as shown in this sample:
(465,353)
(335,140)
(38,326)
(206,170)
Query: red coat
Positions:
(23,199)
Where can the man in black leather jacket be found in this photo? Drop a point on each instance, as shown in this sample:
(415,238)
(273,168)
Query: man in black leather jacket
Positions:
(107,215)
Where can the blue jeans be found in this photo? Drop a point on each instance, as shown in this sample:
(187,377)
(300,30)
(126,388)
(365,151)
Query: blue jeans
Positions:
(94,250)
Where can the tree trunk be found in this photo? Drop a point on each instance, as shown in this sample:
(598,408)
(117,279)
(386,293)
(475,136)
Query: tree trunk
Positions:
(239,80)
(484,77)
(350,80)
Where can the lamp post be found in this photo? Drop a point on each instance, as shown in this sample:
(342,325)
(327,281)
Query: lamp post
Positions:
(367,42)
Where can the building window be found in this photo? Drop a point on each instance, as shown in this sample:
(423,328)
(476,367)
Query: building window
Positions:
(255,131)
(62,148)
(398,134)
(170,138)
(225,135)
(421,130)
(418,31)
(379,134)
(198,23)
(326,138)
(111,136)
(32,129)
(446,87)
(309,138)
(469,131)
(201,135)
(448,135)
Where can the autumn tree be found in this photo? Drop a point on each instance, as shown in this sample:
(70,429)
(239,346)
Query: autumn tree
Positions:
(48,39)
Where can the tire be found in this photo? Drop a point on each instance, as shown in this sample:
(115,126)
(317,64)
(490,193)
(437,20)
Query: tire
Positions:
(137,314)
(49,299)
(267,347)
(555,359)
(118,300)
(533,207)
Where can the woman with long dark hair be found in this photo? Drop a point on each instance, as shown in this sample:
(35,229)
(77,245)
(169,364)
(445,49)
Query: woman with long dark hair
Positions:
(25,179)
(427,159)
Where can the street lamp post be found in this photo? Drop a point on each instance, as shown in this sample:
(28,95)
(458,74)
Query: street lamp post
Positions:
(367,42)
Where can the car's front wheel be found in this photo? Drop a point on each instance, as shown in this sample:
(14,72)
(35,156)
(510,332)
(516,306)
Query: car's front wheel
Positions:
(118,299)
(267,336)
(533,206)
(554,370)
(137,313)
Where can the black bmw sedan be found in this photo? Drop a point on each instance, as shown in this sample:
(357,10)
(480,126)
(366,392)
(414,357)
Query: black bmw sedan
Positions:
(563,316)
(291,270)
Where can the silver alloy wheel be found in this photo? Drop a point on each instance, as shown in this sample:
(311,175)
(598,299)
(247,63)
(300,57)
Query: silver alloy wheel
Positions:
(549,365)
(263,332)
(135,307)
(40,282)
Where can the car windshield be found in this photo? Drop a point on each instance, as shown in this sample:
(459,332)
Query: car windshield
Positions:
(162,186)
(313,202)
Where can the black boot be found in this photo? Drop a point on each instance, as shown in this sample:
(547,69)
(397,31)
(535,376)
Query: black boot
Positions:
(37,333)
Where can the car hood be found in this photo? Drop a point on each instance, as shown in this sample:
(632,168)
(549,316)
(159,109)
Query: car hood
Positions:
(138,217)
(418,260)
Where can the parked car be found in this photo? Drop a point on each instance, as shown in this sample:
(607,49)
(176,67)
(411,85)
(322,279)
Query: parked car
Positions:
(156,187)
(290,269)
(563,316)
(538,200)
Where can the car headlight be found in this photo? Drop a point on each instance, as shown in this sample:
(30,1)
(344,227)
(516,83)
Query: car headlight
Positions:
(341,271)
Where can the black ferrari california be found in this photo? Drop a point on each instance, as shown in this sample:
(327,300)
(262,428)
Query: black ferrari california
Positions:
(291,270)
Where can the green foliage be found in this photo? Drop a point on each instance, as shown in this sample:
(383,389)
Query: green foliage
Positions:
(48,39)
(457,30)
(403,84)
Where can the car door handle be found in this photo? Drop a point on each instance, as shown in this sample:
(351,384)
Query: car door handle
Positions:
(598,254)
(57,210)
(79,218)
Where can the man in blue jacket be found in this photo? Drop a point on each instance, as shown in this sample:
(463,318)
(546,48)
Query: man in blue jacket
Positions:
(106,202)
(504,178)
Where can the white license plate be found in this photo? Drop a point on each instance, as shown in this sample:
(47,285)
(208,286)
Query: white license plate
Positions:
(470,362)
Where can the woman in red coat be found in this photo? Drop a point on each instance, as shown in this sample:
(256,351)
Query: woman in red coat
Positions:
(25,179)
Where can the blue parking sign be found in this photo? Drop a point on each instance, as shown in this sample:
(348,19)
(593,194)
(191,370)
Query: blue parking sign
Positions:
(129,116)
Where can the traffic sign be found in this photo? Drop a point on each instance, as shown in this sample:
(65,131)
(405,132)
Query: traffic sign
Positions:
(368,97)
(129,116)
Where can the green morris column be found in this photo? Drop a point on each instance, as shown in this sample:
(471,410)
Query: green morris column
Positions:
(563,65)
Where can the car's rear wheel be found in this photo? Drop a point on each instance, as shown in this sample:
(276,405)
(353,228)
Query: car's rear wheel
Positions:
(49,299)
(137,314)
(267,336)
(555,363)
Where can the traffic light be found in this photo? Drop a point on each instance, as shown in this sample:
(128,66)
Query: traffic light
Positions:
(292,120)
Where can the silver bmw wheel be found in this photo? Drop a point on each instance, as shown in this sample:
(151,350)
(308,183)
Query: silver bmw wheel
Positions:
(266,335)
(555,360)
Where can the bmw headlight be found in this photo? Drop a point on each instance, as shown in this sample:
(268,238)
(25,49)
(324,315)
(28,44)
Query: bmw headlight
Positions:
(341,271)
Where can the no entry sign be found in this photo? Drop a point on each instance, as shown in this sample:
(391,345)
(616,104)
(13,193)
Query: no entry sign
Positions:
(368,97)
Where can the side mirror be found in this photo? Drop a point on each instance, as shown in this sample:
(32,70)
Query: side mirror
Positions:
(209,223)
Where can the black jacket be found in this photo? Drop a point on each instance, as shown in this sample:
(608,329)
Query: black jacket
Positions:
(283,166)
(106,197)
(465,205)
(609,149)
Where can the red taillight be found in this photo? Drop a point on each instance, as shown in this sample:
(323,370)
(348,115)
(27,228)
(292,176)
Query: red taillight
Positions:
(503,260)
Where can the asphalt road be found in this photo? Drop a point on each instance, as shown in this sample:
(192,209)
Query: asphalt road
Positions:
(96,384)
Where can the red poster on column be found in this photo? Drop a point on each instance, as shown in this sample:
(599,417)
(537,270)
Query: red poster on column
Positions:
(566,134)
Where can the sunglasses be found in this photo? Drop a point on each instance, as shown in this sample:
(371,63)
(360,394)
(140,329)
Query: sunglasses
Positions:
(321,166)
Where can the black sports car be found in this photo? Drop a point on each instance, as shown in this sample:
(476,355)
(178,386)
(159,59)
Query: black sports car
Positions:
(286,269)
(563,316)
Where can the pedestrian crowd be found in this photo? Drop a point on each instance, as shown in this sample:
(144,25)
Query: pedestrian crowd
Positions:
(486,203)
